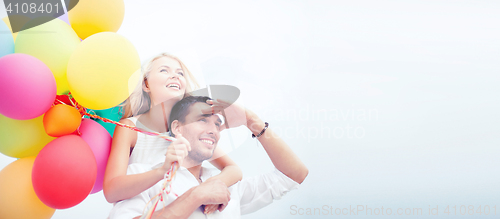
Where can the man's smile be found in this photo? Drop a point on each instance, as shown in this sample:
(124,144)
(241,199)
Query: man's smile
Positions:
(208,141)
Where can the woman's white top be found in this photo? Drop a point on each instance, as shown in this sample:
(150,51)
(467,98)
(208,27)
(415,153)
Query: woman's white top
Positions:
(148,148)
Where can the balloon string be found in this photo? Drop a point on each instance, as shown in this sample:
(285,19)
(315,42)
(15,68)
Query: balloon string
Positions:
(162,196)
(61,102)
(169,175)
(152,133)
(83,112)
(71,101)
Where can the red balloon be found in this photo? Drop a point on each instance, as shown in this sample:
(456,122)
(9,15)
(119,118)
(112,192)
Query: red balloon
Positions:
(64,99)
(64,172)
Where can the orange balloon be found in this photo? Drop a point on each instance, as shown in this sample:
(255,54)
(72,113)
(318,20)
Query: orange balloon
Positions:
(61,120)
(18,198)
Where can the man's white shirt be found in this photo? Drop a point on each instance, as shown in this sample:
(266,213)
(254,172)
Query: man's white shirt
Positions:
(247,196)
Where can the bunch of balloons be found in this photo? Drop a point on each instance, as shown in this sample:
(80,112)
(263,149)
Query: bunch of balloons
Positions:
(62,156)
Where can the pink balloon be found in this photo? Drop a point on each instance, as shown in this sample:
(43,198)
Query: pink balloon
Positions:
(27,87)
(99,141)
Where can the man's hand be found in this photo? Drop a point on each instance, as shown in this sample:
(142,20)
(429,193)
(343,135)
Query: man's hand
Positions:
(234,114)
(213,192)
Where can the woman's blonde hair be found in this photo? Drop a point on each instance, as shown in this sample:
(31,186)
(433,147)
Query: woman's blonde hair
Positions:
(139,101)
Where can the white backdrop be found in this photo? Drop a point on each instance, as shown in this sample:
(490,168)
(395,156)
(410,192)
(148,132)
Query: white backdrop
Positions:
(390,104)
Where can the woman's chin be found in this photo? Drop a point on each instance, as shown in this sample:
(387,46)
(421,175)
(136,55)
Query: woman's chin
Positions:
(173,97)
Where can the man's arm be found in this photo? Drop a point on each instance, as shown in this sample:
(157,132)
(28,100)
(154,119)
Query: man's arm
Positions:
(210,192)
(281,155)
(258,192)
(283,158)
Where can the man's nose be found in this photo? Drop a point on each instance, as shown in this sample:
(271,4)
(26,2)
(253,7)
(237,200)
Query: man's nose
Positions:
(212,128)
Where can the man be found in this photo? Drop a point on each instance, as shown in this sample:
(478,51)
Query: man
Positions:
(197,130)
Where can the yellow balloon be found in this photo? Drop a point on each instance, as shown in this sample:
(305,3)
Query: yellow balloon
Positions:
(18,199)
(89,17)
(22,138)
(53,43)
(100,68)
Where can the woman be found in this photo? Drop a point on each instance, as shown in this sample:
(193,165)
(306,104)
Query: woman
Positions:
(166,81)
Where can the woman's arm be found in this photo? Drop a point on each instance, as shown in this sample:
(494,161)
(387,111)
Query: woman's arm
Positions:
(117,184)
(230,172)
(212,192)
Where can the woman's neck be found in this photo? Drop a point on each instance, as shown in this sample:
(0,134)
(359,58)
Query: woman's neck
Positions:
(156,118)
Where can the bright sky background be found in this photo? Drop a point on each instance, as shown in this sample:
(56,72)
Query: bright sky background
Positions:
(390,104)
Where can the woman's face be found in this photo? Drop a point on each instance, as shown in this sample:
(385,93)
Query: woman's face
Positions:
(166,81)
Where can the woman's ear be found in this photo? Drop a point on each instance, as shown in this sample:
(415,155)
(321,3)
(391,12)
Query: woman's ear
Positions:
(145,86)
(176,127)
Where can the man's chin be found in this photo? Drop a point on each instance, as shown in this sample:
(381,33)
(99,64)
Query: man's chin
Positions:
(203,157)
(210,157)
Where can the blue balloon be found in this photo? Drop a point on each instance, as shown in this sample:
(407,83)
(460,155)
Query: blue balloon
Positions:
(6,40)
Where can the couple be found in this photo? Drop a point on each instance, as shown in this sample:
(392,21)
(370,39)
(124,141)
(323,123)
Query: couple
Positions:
(197,131)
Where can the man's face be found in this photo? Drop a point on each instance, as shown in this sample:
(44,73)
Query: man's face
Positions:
(202,131)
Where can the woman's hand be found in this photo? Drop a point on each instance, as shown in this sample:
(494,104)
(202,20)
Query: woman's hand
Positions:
(177,151)
(211,208)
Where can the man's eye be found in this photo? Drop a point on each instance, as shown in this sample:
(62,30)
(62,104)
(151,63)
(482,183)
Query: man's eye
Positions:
(203,120)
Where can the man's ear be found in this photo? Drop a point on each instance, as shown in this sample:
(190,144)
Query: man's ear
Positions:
(176,127)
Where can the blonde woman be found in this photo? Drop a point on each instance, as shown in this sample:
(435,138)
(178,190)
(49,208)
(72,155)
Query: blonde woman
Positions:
(166,80)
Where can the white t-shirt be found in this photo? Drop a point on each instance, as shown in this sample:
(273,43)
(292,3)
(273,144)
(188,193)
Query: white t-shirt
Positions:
(147,149)
(247,196)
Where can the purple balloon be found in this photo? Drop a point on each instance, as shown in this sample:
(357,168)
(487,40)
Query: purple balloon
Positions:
(27,87)
(65,18)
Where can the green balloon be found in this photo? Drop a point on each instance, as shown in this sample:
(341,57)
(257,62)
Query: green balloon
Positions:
(53,43)
(113,113)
